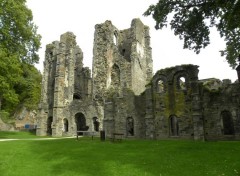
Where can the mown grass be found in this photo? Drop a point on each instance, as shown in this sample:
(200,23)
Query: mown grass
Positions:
(17,135)
(86,157)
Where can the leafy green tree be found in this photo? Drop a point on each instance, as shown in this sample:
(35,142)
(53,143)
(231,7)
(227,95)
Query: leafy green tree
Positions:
(10,74)
(192,19)
(29,89)
(18,34)
(19,43)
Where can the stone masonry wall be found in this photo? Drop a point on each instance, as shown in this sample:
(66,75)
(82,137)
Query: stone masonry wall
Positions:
(64,79)
(173,107)
(121,95)
(122,59)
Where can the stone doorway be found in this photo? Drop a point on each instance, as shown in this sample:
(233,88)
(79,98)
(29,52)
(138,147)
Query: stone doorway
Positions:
(65,125)
(49,126)
(174,127)
(80,121)
(96,124)
(130,126)
(227,122)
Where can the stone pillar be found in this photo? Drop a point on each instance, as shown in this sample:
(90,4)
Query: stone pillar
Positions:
(102,58)
(109,122)
(41,123)
(141,61)
(58,96)
(198,130)
(149,118)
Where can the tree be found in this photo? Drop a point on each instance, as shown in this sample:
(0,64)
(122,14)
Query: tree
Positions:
(10,74)
(18,34)
(19,43)
(29,89)
(192,19)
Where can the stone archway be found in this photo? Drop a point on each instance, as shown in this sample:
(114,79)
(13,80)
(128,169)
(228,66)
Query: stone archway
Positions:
(49,126)
(115,76)
(80,121)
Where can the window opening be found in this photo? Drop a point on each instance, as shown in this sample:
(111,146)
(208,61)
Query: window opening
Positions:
(65,125)
(115,38)
(77,96)
(96,124)
(49,126)
(130,126)
(160,86)
(182,83)
(228,127)
(115,76)
(174,127)
(80,121)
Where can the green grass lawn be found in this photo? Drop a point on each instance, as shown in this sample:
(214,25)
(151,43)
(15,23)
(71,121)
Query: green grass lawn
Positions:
(17,135)
(87,157)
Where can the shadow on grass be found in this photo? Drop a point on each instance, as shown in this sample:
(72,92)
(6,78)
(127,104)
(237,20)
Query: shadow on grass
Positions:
(130,158)
(86,157)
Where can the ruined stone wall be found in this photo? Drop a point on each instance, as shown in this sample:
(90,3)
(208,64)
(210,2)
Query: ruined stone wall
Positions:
(122,96)
(64,79)
(173,106)
(141,58)
(122,62)
(121,59)
(125,115)
(221,109)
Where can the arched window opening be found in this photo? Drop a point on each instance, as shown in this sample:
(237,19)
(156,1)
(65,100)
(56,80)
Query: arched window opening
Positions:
(182,83)
(96,124)
(227,123)
(50,54)
(65,125)
(49,126)
(80,121)
(123,52)
(130,126)
(115,38)
(160,86)
(76,96)
(174,127)
(115,76)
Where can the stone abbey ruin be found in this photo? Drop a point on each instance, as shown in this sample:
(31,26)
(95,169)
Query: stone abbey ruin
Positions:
(122,94)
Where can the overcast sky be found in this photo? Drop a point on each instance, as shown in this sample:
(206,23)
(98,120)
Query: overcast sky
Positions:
(55,17)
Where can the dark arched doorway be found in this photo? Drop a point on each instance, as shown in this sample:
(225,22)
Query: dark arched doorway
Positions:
(174,128)
(80,122)
(96,124)
(228,127)
(65,125)
(49,126)
(130,126)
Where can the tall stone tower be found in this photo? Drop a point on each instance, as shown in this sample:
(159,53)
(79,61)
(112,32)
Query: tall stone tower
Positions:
(121,59)
(61,83)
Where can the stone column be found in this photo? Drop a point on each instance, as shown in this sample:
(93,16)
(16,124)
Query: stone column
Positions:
(198,131)
(41,123)
(149,118)
(58,104)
